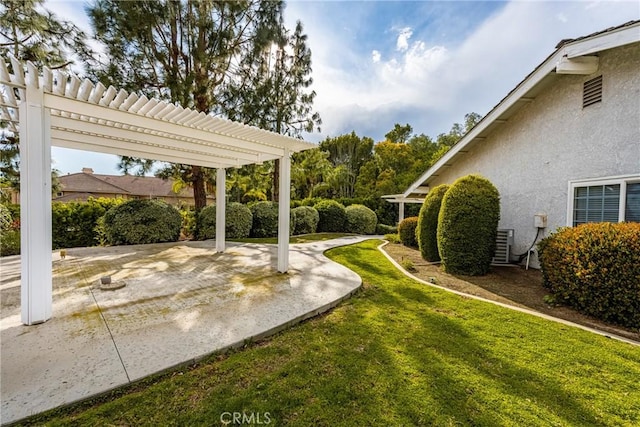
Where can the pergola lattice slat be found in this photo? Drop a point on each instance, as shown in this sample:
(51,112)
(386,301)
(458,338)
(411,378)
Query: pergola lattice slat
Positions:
(56,108)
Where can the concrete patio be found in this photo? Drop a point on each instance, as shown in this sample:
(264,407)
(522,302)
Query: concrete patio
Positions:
(182,301)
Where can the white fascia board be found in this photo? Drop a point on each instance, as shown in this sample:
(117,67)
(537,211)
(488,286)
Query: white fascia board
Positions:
(600,42)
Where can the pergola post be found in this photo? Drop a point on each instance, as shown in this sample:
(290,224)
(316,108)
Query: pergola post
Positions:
(220,209)
(35,206)
(401,213)
(284,204)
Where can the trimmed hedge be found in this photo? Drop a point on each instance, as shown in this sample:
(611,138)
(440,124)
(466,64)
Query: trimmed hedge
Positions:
(332,216)
(426,233)
(467,226)
(595,268)
(407,231)
(306,220)
(265,219)
(10,243)
(142,221)
(238,221)
(74,224)
(360,219)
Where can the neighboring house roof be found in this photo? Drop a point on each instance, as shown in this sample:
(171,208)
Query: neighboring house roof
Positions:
(572,56)
(87,184)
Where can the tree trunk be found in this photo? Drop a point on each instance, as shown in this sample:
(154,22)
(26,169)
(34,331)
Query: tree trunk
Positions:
(199,193)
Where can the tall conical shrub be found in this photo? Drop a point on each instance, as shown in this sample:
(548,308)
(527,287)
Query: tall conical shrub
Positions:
(426,233)
(467,226)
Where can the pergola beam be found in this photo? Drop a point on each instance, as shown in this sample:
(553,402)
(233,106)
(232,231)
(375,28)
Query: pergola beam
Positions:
(85,109)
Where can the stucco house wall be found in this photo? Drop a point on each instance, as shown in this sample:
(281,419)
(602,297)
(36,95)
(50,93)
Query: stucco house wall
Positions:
(552,140)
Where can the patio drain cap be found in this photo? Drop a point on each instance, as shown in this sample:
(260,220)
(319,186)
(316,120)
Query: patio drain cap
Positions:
(112,286)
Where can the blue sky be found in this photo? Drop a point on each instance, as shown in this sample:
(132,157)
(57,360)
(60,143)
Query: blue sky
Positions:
(424,63)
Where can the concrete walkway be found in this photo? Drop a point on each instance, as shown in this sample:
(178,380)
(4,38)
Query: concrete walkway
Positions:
(181,302)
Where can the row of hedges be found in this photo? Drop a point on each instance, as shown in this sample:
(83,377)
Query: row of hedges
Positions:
(386,213)
(457,225)
(595,268)
(116,222)
(261,219)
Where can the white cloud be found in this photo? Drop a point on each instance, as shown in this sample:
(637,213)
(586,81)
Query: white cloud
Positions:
(402,43)
(432,86)
(561,17)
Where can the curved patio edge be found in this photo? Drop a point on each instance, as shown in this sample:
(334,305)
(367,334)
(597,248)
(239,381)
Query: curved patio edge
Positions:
(98,342)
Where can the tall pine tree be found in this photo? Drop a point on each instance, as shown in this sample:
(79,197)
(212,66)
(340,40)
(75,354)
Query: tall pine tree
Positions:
(183,51)
(272,89)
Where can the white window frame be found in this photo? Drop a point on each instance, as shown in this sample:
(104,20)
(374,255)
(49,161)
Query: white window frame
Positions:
(622,180)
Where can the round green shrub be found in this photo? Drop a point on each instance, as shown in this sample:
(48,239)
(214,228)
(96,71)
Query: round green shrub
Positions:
(306,220)
(142,221)
(426,233)
(238,220)
(332,216)
(467,226)
(595,268)
(407,231)
(360,219)
(265,219)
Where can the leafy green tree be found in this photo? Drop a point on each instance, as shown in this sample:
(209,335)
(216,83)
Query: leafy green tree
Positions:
(399,134)
(351,151)
(447,140)
(249,183)
(309,168)
(180,51)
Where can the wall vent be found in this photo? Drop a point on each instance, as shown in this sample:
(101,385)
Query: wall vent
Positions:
(592,92)
(504,241)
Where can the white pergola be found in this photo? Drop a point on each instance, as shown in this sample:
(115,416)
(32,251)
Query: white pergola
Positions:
(401,199)
(53,108)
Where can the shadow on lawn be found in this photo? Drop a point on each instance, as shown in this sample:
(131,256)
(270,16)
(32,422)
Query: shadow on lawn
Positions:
(439,372)
(439,357)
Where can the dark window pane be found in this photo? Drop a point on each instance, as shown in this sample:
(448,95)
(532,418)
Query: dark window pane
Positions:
(632,208)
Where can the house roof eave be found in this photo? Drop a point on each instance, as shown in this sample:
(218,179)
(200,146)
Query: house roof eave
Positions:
(544,73)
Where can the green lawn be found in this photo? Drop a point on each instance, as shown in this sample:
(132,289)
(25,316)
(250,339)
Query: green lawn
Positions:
(398,353)
(304,238)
